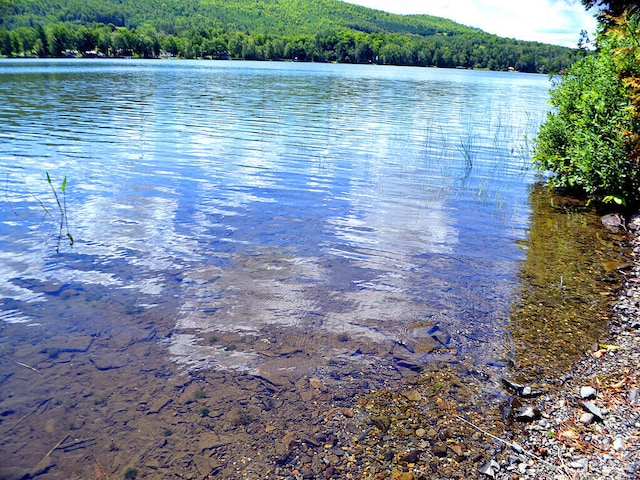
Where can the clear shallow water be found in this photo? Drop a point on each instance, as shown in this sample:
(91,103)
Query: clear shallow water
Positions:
(268,210)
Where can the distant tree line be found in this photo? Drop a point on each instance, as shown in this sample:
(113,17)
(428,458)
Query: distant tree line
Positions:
(343,46)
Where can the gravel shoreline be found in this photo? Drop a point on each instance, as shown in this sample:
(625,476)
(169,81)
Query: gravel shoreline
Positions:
(578,445)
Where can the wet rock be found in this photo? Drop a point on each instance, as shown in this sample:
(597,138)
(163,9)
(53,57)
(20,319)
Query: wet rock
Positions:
(439,450)
(587,393)
(523,391)
(412,395)
(14,473)
(307,473)
(402,475)
(104,362)
(411,457)
(43,467)
(490,469)
(205,464)
(158,404)
(382,423)
(527,414)
(613,222)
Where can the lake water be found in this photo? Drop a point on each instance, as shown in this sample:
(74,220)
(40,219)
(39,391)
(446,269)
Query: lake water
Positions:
(277,220)
(349,200)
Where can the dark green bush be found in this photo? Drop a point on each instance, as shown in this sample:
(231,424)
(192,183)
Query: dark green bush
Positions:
(583,141)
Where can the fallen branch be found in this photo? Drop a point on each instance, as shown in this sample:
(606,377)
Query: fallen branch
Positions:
(514,446)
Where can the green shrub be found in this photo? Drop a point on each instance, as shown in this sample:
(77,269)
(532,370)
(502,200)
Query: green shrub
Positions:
(583,141)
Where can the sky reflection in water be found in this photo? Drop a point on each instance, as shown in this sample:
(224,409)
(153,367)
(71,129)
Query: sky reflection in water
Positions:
(288,201)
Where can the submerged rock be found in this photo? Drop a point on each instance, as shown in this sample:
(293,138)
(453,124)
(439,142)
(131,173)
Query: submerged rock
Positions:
(440,335)
(527,414)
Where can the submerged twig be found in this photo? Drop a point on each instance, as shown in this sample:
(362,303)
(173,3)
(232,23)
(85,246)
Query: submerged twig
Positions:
(100,471)
(30,367)
(57,445)
(6,195)
(512,445)
(44,402)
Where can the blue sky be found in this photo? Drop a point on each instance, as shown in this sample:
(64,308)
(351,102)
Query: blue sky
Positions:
(550,21)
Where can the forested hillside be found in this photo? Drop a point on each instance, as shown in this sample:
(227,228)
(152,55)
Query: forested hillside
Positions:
(306,30)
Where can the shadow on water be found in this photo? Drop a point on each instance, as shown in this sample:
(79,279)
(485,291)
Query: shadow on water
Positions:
(568,282)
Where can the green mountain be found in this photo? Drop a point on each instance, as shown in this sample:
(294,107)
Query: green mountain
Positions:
(274,17)
(318,30)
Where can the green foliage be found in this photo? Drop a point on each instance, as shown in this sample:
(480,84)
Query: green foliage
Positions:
(198,394)
(131,473)
(584,139)
(306,30)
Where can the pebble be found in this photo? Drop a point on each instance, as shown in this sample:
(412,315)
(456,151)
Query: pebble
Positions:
(581,463)
(587,393)
(587,418)
(618,444)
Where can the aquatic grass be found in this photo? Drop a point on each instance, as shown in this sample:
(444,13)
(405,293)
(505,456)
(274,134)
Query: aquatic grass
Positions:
(62,207)
(63,210)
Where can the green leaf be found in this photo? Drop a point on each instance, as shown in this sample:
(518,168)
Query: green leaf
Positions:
(48,178)
(64,184)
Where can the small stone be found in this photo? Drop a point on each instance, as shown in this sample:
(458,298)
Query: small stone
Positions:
(383,423)
(633,397)
(412,395)
(439,450)
(618,444)
(421,432)
(587,418)
(587,393)
(410,457)
(307,473)
(456,448)
(581,463)
(315,383)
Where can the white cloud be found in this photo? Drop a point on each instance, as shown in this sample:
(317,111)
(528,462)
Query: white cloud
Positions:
(557,22)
